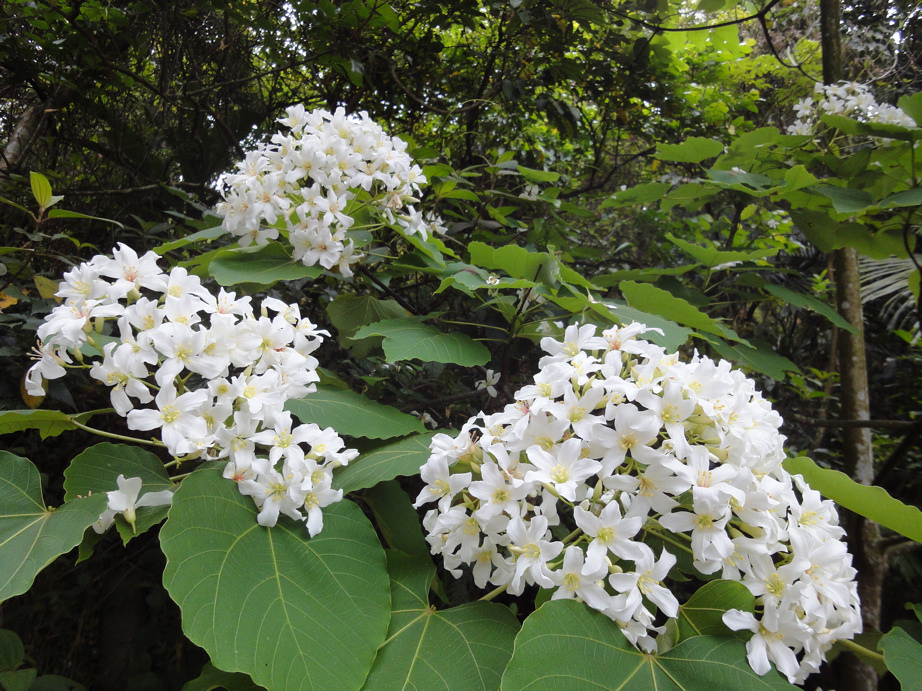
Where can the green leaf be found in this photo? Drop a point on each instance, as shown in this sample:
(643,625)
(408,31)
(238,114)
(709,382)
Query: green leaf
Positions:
(649,298)
(710,256)
(31,535)
(410,339)
(673,336)
(207,234)
(740,180)
(517,261)
(41,189)
(702,614)
(263,266)
(639,194)
(537,176)
(758,355)
(692,150)
(828,234)
(349,313)
(565,645)
(798,177)
(868,501)
(912,197)
(647,275)
(292,612)
(400,458)
(213,678)
(396,519)
(912,106)
(465,647)
(809,303)
(49,423)
(903,656)
(872,129)
(711,5)
(846,200)
(12,652)
(352,414)
(55,682)
(64,213)
(96,471)
(20,680)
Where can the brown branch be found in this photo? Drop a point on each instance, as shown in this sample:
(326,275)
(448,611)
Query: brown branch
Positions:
(403,303)
(474,104)
(702,27)
(771,47)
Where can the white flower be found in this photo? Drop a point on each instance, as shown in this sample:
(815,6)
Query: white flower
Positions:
(125,501)
(489,382)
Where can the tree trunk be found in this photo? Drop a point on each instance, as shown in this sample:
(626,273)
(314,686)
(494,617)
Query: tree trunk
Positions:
(28,127)
(857,450)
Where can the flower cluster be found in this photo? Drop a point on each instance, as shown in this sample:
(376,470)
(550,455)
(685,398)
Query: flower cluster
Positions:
(618,458)
(849,99)
(217,375)
(309,183)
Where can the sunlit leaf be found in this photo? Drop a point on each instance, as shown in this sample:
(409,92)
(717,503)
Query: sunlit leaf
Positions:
(868,501)
(810,303)
(692,150)
(292,612)
(464,647)
(649,298)
(710,256)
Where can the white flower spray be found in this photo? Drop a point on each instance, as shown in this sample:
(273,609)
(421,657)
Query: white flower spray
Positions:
(205,371)
(619,446)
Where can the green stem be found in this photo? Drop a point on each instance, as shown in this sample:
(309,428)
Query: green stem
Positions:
(121,437)
(572,536)
(861,650)
(493,593)
(666,538)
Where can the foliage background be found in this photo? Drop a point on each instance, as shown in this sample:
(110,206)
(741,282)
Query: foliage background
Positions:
(133,109)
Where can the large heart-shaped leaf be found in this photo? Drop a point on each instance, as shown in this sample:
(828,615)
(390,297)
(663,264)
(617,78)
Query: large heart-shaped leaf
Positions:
(352,414)
(96,471)
(702,615)
(465,647)
(291,611)
(404,457)
(566,646)
(32,535)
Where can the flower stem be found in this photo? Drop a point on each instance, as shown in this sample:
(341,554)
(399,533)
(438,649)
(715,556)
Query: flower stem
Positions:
(861,650)
(493,593)
(122,437)
(665,538)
